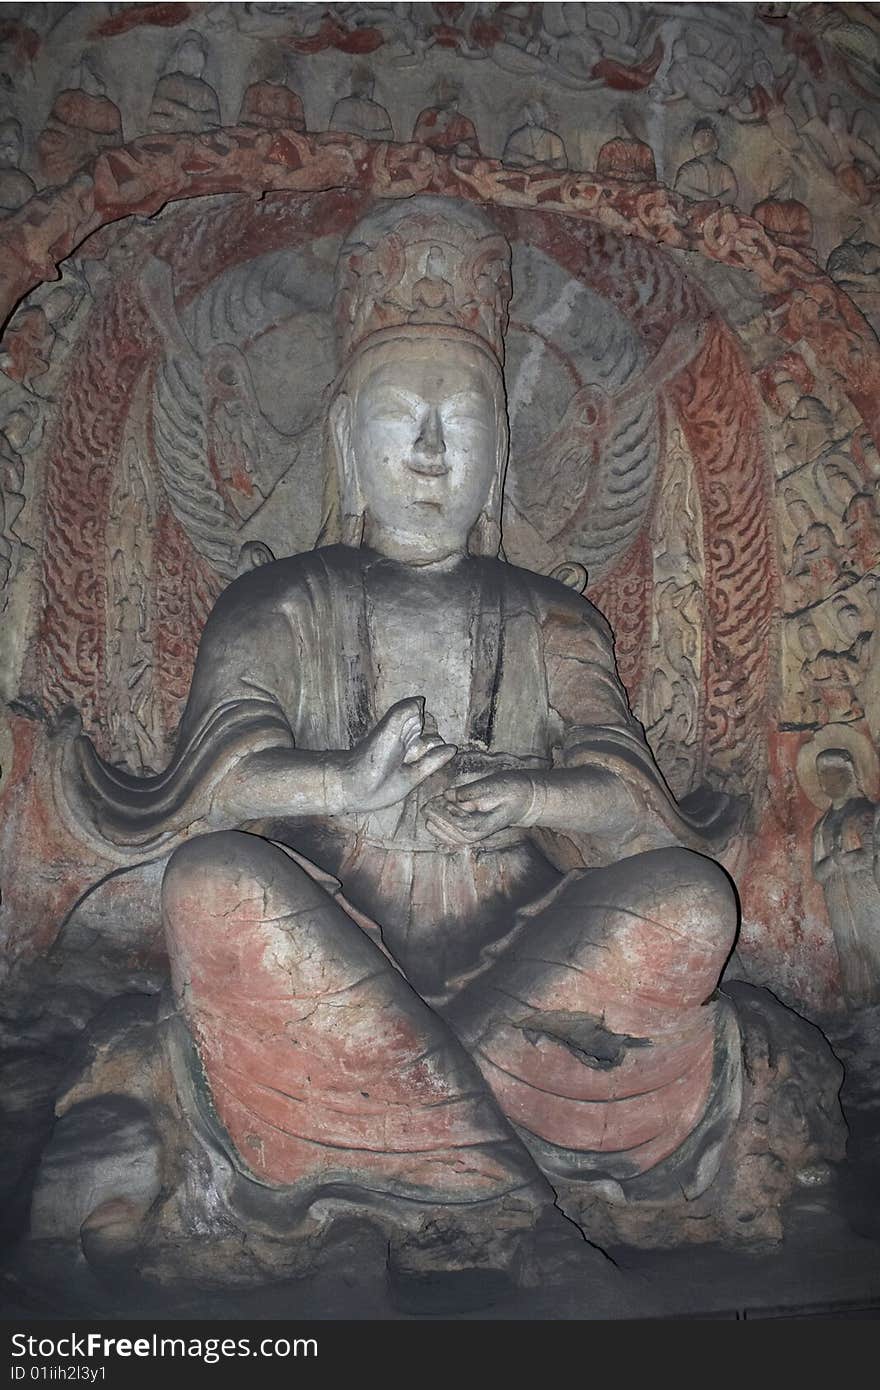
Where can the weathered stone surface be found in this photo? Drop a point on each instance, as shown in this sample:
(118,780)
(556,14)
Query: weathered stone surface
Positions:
(101,1166)
(787,1145)
(692,399)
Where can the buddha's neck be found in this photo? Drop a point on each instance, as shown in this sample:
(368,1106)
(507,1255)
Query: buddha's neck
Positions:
(413,552)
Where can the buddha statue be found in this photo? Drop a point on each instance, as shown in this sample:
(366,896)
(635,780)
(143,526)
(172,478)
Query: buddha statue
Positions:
(388,982)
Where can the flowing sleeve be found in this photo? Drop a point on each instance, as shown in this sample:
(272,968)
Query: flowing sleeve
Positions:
(596,728)
(241,700)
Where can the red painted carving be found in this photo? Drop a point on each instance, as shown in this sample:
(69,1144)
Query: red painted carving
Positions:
(625,599)
(79,468)
(632,77)
(79,127)
(137,16)
(719,412)
(142,176)
(332,33)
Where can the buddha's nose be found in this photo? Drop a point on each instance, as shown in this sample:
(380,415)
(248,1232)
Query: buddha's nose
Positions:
(430,440)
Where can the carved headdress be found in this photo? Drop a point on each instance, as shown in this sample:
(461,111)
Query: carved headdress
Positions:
(423,267)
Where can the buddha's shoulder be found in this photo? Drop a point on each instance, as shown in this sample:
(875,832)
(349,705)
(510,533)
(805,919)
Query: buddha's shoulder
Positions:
(550,600)
(281,586)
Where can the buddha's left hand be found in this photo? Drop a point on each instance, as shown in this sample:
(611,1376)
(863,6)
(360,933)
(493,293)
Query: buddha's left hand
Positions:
(472,811)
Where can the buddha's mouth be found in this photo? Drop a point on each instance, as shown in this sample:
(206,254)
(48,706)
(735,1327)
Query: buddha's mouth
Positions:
(424,469)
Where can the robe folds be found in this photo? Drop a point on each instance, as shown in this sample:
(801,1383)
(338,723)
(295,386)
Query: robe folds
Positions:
(286,661)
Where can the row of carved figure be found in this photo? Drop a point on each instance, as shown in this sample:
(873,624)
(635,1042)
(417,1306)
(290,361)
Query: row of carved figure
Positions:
(737,60)
(84,122)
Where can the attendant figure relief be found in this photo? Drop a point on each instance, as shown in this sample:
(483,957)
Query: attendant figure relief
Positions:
(844,853)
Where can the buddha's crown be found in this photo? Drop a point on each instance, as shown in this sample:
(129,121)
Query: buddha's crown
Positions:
(423,267)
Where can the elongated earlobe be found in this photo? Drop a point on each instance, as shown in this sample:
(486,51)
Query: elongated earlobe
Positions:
(351,503)
(485,534)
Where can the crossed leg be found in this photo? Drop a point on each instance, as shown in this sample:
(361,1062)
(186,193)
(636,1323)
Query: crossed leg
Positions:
(323,1066)
(595,1029)
(598,1027)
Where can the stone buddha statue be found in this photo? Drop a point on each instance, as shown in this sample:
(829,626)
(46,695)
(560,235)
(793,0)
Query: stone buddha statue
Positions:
(388,980)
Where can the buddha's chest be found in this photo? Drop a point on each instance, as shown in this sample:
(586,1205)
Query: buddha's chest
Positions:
(422,643)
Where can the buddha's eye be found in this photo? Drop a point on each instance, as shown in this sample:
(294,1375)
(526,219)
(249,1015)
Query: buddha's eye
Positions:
(466,417)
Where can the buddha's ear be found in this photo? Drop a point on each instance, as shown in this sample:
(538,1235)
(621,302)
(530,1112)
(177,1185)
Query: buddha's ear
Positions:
(341,427)
(351,503)
(485,536)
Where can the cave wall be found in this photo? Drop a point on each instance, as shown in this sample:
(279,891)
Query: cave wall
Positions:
(692,376)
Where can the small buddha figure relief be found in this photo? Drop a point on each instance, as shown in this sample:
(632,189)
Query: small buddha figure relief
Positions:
(359,114)
(806,424)
(534,142)
(828,679)
(15,186)
(15,433)
(83,122)
(845,146)
(855,619)
(443,127)
(271,103)
(855,263)
(818,564)
(627,156)
(861,526)
(787,221)
(182,99)
(843,858)
(706,176)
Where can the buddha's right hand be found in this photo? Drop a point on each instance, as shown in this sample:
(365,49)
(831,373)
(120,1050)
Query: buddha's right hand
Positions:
(401,752)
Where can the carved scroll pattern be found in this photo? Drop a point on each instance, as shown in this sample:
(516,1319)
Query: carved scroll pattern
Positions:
(133,727)
(624,598)
(718,411)
(670,703)
(78,479)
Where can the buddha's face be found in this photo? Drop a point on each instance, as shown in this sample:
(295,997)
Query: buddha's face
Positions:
(424,445)
(705,141)
(836,775)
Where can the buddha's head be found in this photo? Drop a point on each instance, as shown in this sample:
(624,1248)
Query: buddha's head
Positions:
(418,421)
(705,138)
(836,774)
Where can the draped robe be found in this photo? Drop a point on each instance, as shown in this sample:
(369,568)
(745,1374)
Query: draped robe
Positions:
(286,660)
